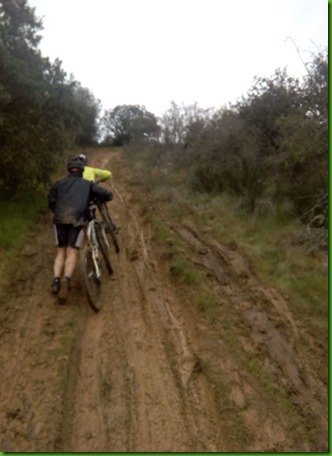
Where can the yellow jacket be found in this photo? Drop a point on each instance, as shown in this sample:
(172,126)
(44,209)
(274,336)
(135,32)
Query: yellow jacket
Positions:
(92,174)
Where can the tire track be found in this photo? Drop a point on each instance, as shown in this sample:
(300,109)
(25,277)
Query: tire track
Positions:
(139,342)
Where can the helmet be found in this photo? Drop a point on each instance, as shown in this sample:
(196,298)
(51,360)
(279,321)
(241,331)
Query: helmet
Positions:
(75,166)
(82,157)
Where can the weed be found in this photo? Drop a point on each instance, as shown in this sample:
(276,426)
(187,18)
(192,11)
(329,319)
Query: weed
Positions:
(184,273)
(207,304)
(160,228)
(16,219)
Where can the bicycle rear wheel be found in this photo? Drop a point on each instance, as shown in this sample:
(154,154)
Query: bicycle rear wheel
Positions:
(93,284)
(104,248)
(110,227)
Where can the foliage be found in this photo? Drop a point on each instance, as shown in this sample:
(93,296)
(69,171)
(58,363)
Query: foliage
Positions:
(128,124)
(16,219)
(271,145)
(42,112)
(183,125)
(302,164)
(266,101)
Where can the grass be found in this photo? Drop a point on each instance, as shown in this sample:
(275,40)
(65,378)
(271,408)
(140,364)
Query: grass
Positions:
(268,243)
(184,272)
(207,304)
(160,228)
(266,240)
(16,219)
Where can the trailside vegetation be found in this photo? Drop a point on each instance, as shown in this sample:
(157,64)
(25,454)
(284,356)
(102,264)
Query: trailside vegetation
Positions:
(128,124)
(269,149)
(43,112)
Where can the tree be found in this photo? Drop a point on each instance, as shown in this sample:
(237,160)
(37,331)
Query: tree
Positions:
(184,125)
(267,100)
(302,162)
(127,124)
(42,112)
(88,109)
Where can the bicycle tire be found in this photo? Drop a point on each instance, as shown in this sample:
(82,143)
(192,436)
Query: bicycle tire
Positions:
(109,226)
(103,248)
(93,285)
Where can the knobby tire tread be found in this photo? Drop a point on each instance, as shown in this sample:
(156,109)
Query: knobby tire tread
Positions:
(104,249)
(92,285)
(110,230)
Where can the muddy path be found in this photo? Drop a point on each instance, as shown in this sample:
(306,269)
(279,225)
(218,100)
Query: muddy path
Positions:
(147,373)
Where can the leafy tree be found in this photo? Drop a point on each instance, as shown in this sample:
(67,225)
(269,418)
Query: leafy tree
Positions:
(231,160)
(302,163)
(88,110)
(42,112)
(127,124)
(267,100)
(19,26)
(316,87)
(173,125)
(184,125)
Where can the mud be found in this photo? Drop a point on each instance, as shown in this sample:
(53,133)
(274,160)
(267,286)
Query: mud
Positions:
(149,373)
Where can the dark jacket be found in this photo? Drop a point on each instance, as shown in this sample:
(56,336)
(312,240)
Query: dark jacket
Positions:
(69,198)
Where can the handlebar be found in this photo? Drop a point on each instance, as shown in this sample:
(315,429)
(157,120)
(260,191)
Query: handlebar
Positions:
(96,203)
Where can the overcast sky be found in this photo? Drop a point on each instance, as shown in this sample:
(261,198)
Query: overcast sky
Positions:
(152,52)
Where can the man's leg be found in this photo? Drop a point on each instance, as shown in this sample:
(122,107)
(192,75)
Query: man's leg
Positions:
(74,240)
(71,261)
(59,261)
(58,266)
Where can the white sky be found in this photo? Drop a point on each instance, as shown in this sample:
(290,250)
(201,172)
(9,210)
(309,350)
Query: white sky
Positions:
(152,52)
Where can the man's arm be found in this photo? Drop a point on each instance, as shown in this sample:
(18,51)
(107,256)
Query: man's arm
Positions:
(102,173)
(100,193)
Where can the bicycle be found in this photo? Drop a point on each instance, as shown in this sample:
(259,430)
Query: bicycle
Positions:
(91,268)
(110,226)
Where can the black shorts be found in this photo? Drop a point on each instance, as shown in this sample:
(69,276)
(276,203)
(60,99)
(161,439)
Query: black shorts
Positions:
(68,235)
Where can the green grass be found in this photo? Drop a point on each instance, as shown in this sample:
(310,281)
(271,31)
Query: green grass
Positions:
(207,304)
(184,272)
(268,243)
(266,240)
(271,244)
(16,219)
(160,228)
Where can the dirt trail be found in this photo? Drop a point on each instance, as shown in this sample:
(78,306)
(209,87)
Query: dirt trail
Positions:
(143,375)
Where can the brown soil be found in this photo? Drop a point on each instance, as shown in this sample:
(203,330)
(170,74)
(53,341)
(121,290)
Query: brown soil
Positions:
(150,372)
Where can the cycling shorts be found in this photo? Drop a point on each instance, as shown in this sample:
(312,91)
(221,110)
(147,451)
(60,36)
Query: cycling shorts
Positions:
(68,235)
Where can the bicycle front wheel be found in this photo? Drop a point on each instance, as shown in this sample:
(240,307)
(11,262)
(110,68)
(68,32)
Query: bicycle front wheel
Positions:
(103,248)
(110,227)
(92,282)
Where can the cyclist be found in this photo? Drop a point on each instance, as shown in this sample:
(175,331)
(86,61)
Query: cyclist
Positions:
(93,173)
(69,200)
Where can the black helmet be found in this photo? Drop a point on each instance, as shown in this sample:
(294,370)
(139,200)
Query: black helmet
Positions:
(75,166)
(82,157)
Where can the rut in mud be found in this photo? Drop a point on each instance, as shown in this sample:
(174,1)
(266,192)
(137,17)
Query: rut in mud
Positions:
(147,374)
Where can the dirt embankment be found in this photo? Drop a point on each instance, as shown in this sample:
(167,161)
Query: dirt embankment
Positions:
(147,373)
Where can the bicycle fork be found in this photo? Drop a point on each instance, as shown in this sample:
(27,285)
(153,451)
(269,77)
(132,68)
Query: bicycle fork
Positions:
(92,240)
